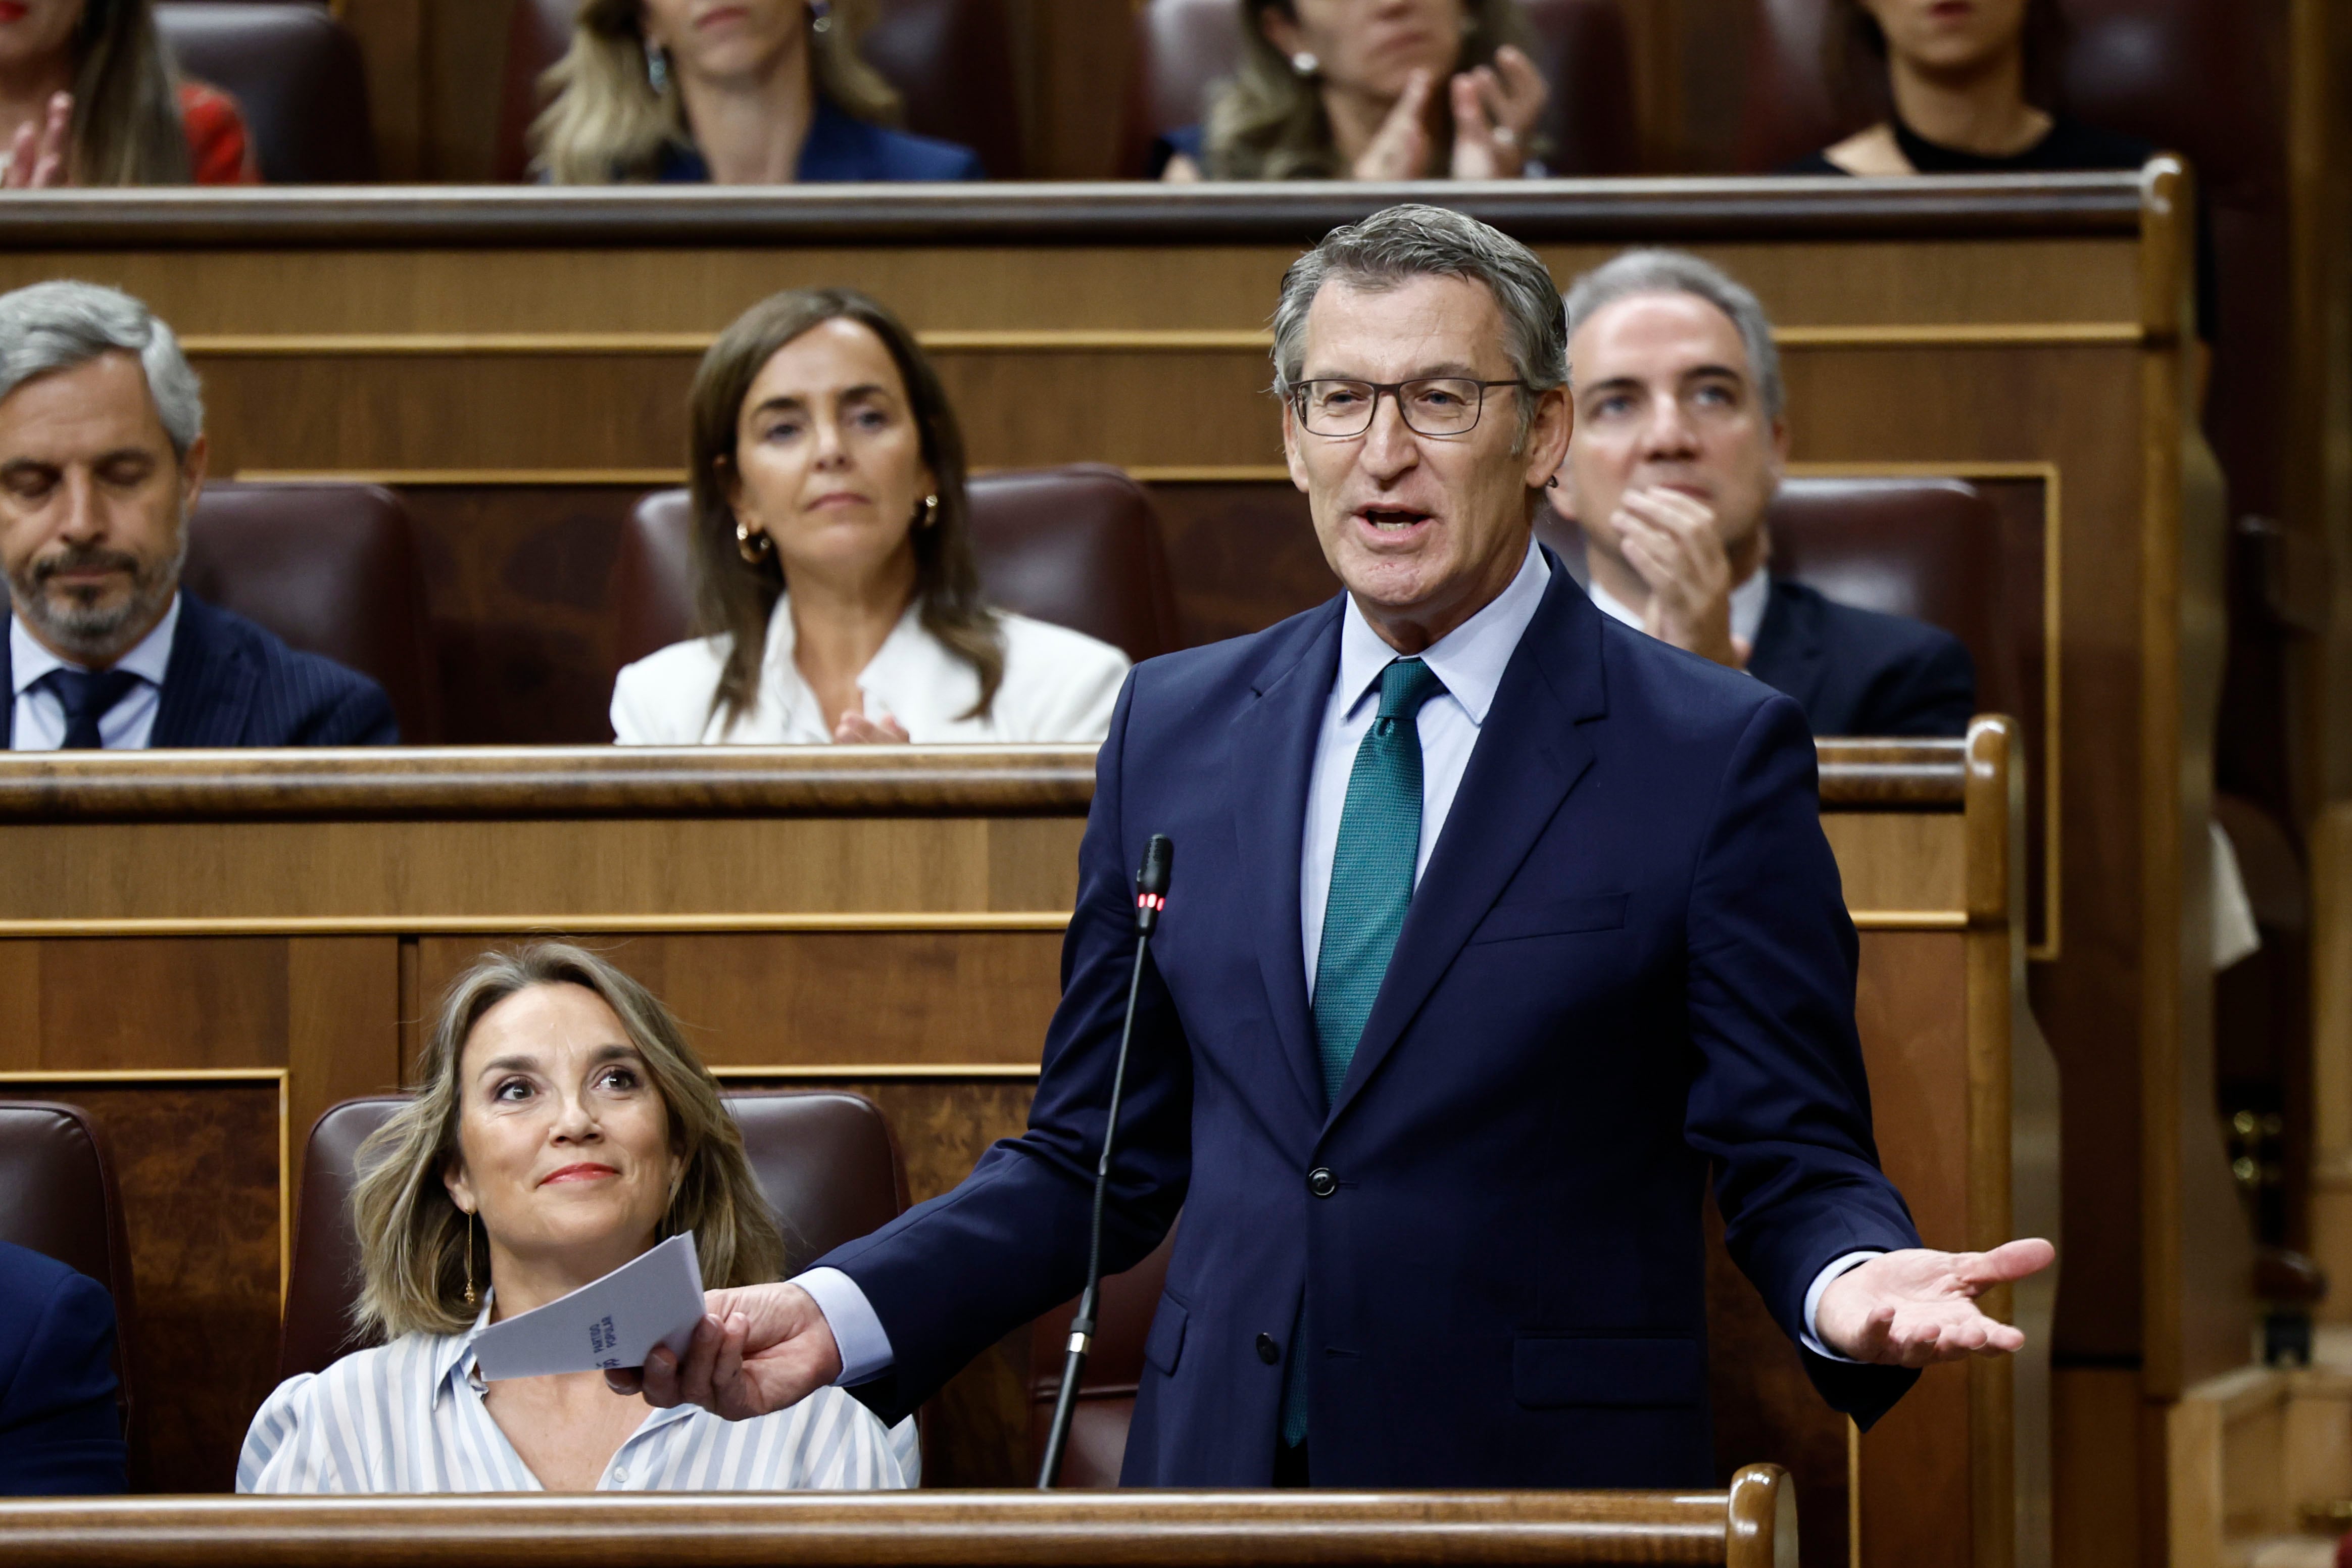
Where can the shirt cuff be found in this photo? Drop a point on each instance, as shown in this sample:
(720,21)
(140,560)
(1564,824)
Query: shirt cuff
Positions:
(1811,1339)
(857,1333)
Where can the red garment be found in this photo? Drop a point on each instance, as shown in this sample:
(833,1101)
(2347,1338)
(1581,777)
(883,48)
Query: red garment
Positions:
(219,153)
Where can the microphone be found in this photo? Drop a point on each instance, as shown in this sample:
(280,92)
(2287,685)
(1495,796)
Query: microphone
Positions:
(1150,898)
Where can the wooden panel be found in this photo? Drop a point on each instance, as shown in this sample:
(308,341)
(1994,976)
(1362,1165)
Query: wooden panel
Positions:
(196,1165)
(2095,1431)
(1901,863)
(110,1006)
(342,1031)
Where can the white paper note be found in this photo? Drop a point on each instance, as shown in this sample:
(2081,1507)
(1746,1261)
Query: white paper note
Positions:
(655,1299)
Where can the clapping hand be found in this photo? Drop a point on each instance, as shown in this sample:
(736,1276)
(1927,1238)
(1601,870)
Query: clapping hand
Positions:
(1495,112)
(856,730)
(1671,541)
(1918,1307)
(1399,148)
(37,155)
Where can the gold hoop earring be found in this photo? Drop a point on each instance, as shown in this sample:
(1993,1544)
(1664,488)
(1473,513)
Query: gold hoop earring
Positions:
(469,1258)
(930,512)
(755,548)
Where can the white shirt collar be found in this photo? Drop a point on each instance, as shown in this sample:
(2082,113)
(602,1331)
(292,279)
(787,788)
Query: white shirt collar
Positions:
(910,678)
(1469,659)
(1748,603)
(28,661)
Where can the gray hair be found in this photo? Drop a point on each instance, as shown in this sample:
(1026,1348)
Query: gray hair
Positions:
(52,327)
(1636,272)
(1400,243)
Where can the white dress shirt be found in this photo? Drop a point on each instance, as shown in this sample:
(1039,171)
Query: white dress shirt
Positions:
(408,1416)
(1470,660)
(1748,603)
(40,715)
(1059,685)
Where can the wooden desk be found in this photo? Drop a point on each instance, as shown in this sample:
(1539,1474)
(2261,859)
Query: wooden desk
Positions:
(1750,1524)
(207,949)
(516,361)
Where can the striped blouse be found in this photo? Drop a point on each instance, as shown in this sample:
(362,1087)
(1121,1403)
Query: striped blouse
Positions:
(409,1418)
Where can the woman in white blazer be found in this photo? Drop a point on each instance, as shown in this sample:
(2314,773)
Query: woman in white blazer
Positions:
(834,583)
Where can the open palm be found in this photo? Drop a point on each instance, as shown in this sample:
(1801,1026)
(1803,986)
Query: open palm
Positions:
(1916,1307)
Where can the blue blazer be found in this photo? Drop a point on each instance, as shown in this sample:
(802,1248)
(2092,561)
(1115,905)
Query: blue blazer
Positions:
(841,149)
(231,683)
(61,1431)
(1628,967)
(1857,672)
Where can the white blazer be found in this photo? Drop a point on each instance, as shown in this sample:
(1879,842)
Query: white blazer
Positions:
(1059,685)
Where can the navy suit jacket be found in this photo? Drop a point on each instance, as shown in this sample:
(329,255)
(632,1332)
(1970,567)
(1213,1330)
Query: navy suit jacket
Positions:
(61,1431)
(1857,672)
(1627,964)
(231,683)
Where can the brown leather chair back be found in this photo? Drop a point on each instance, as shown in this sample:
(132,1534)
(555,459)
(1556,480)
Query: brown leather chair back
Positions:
(1184,48)
(950,59)
(825,1161)
(1078,546)
(295,71)
(1106,1389)
(57,1198)
(332,568)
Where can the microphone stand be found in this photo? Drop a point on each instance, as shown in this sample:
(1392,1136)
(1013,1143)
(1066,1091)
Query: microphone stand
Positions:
(1150,898)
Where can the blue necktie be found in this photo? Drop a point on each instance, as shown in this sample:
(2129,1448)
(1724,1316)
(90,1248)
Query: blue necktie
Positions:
(88,697)
(1372,883)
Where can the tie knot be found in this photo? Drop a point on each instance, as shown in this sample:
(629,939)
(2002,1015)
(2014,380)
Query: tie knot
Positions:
(1405,685)
(87,695)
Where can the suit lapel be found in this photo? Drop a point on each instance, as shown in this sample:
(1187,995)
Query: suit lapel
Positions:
(1788,652)
(1273,755)
(1530,752)
(207,687)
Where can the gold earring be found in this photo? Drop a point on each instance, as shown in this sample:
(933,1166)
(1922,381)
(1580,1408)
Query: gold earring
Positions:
(469,1258)
(930,512)
(754,548)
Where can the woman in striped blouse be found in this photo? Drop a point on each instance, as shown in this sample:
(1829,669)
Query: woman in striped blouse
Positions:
(564,1127)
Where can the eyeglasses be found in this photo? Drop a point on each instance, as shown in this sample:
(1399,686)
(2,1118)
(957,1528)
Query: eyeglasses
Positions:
(1430,404)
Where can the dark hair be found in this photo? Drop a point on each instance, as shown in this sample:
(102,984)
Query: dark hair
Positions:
(126,126)
(1853,38)
(1267,123)
(734,598)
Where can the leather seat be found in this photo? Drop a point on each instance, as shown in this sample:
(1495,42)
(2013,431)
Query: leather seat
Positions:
(57,1198)
(332,568)
(1078,546)
(1183,47)
(951,60)
(825,1162)
(295,71)
(1106,1389)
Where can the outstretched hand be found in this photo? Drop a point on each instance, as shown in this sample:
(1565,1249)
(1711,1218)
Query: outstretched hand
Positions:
(36,154)
(757,1349)
(1918,1307)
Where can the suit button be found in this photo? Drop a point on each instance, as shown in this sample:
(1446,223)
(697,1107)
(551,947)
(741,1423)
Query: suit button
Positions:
(1321,1182)
(1267,1351)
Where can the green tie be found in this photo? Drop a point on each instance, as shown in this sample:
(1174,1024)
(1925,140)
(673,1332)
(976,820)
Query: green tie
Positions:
(1372,883)
(1371,868)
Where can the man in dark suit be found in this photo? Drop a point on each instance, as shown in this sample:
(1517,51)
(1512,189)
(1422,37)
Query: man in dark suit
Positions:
(101,457)
(1681,437)
(61,1429)
(1496,928)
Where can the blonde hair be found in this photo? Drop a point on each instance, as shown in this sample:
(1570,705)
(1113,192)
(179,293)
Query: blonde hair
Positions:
(605,123)
(1267,123)
(413,1239)
(126,128)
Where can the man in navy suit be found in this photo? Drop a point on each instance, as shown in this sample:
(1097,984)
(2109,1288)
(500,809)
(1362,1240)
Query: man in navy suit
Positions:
(101,457)
(60,1430)
(1681,437)
(1497,929)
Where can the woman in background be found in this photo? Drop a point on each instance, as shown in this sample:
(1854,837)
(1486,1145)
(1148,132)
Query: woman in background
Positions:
(836,594)
(89,97)
(753,92)
(1370,90)
(563,1127)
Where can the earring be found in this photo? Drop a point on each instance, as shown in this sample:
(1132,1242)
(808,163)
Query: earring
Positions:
(1552,483)
(755,548)
(930,512)
(469,1258)
(820,15)
(658,69)
(1304,64)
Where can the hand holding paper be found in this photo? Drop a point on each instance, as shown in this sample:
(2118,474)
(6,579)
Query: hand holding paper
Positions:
(655,1299)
